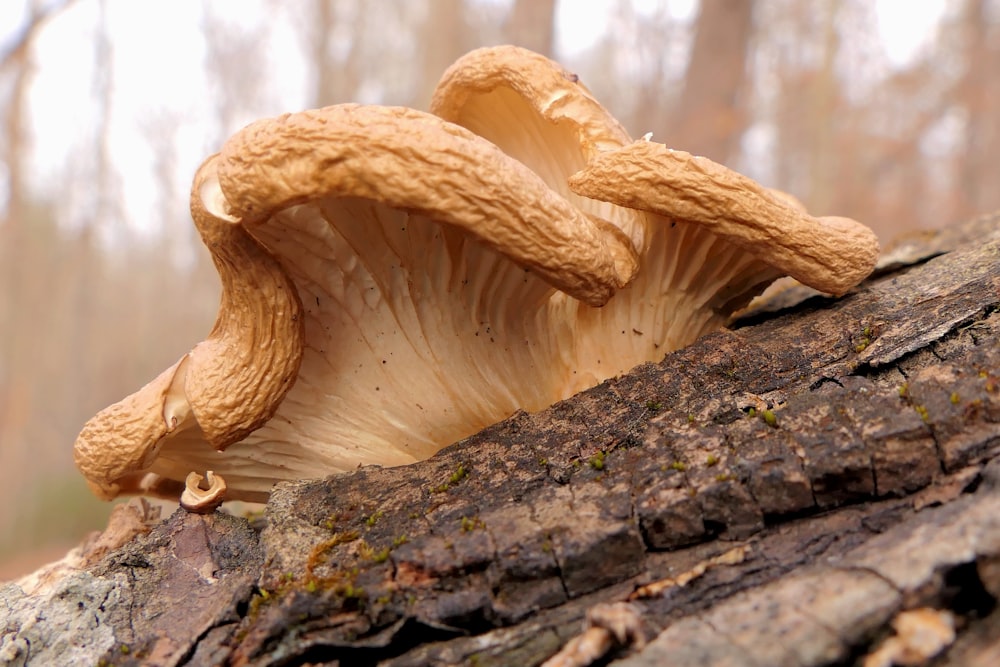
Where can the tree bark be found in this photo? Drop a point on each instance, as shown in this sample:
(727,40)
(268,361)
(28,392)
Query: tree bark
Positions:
(781,493)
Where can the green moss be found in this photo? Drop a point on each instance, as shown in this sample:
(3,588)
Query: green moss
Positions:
(955,398)
(597,461)
(654,406)
(340,538)
(337,518)
(470,524)
(904,390)
(318,554)
(770,419)
(867,336)
(461,472)
(352,592)
(257,602)
(678,466)
(711,460)
(751,413)
(924,415)
(399,541)
(366,552)
(373,518)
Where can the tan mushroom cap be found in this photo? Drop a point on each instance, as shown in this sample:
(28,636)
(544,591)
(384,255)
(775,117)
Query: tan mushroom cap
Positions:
(830,254)
(448,174)
(539,113)
(509,75)
(591,155)
(398,160)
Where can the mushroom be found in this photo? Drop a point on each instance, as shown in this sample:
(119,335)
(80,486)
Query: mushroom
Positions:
(201,500)
(395,280)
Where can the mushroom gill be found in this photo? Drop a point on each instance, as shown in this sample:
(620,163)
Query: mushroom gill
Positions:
(395,280)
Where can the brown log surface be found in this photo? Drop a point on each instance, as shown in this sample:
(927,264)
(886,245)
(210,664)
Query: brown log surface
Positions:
(860,487)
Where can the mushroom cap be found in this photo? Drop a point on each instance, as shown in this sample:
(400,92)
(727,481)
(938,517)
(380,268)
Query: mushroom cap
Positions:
(504,82)
(830,254)
(323,223)
(448,174)
(519,99)
(393,280)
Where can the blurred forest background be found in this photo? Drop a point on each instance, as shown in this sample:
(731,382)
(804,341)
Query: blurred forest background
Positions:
(108,106)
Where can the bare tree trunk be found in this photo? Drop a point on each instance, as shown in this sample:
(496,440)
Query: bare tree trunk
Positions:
(979,93)
(532,24)
(18,65)
(20,296)
(821,123)
(335,81)
(711,116)
(444,36)
(102,216)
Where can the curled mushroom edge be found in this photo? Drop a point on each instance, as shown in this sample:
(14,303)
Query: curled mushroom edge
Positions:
(396,280)
(203,494)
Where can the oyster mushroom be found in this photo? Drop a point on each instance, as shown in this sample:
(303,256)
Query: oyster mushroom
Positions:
(394,281)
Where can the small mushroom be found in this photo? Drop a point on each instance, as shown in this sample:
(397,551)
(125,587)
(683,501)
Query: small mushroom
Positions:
(394,280)
(199,499)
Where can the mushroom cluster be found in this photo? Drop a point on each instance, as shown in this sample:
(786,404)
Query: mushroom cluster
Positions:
(395,280)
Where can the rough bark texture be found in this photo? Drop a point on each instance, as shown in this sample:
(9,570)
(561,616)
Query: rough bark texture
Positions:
(860,486)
